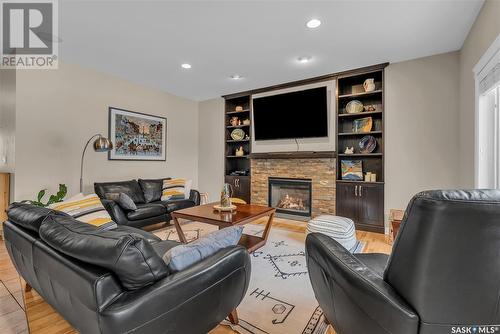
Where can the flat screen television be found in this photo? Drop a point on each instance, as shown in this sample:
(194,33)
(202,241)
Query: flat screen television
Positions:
(295,115)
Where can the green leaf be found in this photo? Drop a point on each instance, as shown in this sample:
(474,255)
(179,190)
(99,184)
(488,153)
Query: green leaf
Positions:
(63,190)
(40,195)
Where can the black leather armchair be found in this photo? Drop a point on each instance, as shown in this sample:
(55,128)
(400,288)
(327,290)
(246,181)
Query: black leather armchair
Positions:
(443,272)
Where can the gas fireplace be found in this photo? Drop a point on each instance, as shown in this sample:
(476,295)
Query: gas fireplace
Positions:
(290,197)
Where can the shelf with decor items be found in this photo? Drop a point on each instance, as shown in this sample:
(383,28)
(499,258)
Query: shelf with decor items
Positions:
(360,131)
(237,117)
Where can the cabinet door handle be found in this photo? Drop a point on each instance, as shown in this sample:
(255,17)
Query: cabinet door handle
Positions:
(356,191)
(360,191)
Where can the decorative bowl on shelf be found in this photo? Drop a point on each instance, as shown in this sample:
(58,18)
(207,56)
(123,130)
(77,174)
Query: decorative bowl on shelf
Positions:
(238,134)
(354,107)
(367,144)
(362,125)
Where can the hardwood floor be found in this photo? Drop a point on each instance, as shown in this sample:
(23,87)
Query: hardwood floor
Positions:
(43,319)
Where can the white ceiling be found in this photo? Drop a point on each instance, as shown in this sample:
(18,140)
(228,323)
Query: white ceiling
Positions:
(147,41)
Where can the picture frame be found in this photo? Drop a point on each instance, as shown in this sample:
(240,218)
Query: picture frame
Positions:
(137,136)
(351,170)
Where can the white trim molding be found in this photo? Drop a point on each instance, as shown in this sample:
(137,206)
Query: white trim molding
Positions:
(487,63)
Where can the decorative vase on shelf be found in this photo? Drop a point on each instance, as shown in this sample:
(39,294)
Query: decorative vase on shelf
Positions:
(234,121)
(239,152)
(369,85)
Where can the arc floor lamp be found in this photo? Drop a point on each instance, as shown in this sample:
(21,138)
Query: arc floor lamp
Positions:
(101,144)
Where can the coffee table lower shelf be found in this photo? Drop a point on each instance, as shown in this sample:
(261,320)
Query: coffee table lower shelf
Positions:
(251,242)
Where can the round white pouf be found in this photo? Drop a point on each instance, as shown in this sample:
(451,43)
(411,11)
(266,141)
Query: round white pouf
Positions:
(339,228)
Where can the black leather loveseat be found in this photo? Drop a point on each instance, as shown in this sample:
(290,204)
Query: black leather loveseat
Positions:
(146,195)
(442,277)
(116,281)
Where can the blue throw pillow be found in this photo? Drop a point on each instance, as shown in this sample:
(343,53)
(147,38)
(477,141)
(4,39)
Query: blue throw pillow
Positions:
(183,256)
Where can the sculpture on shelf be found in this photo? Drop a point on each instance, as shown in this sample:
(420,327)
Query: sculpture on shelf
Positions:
(225,196)
(349,150)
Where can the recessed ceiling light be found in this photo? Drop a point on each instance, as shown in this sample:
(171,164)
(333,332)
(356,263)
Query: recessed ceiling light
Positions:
(314,23)
(236,77)
(186,66)
(304,59)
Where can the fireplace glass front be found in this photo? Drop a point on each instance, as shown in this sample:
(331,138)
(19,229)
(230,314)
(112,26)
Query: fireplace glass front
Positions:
(290,197)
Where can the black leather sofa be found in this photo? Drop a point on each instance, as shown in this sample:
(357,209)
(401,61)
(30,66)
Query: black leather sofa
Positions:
(443,275)
(146,195)
(116,281)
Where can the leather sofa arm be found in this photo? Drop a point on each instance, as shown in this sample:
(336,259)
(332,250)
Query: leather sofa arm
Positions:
(114,210)
(194,195)
(367,301)
(211,288)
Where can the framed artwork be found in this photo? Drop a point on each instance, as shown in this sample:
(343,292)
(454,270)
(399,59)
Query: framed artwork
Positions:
(137,136)
(352,170)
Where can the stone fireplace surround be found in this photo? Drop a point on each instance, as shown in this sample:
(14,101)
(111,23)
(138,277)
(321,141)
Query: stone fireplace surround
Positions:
(320,170)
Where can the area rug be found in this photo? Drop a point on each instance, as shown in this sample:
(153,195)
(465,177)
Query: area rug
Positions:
(280,298)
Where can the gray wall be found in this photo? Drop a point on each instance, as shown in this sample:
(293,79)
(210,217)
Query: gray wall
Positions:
(483,32)
(422,124)
(7,120)
(211,147)
(8,125)
(58,110)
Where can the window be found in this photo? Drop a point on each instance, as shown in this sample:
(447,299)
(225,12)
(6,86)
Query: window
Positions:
(487,143)
(488,174)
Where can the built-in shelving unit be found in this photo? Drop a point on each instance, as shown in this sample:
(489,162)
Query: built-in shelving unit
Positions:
(237,168)
(360,200)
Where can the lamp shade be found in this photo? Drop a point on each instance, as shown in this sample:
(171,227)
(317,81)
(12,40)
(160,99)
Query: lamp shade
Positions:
(102,144)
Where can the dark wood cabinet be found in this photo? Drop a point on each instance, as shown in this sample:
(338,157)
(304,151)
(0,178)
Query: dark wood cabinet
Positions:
(241,186)
(363,202)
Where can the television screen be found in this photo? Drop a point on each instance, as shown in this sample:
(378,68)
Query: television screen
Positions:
(301,114)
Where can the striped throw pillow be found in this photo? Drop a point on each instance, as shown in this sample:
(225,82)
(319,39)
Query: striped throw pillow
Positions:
(87,209)
(175,189)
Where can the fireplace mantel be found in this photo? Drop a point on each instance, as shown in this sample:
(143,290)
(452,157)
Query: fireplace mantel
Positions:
(294,155)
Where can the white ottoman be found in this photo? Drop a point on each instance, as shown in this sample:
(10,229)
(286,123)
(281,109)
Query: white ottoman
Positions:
(339,228)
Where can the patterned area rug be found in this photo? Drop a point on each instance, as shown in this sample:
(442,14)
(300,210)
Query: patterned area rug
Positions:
(280,298)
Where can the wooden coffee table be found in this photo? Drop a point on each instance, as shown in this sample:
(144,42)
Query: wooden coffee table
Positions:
(244,214)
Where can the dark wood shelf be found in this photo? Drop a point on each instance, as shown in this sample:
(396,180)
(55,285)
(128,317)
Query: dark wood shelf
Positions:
(238,176)
(237,112)
(359,182)
(360,133)
(361,114)
(237,156)
(360,94)
(360,155)
(237,126)
(237,141)
(294,155)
